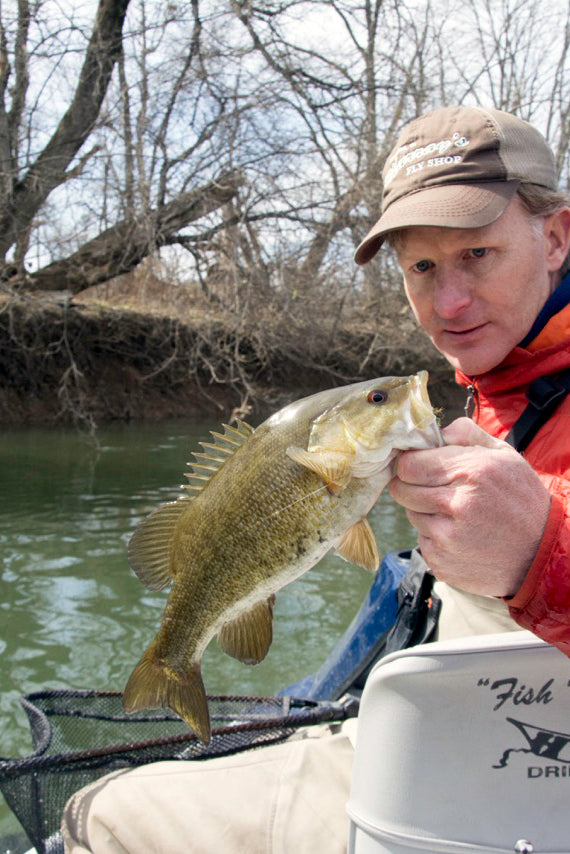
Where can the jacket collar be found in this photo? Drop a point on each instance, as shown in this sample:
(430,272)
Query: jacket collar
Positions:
(546,350)
(520,368)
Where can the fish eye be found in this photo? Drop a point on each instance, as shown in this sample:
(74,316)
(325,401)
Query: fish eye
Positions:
(376,396)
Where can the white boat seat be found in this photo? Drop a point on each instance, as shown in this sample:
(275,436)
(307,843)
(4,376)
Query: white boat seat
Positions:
(464,746)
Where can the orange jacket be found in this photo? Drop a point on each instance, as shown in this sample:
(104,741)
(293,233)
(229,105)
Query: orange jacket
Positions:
(542,604)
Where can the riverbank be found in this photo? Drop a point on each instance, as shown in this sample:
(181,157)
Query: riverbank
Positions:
(85,362)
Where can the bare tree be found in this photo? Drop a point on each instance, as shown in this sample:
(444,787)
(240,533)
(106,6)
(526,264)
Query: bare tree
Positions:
(509,55)
(245,142)
(145,199)
(346,101)
(23,195)
(251,136)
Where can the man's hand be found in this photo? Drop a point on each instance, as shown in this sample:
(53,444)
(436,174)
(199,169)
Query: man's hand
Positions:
(479,509)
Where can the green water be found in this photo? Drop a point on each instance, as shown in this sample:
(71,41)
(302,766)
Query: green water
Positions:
(72,613)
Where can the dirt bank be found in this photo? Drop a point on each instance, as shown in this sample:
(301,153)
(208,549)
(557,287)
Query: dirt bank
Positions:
(64,361)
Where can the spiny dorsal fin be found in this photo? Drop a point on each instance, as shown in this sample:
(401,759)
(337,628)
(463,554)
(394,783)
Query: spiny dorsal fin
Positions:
(249,636)
(149,547)
(333,467)
(215,454)
(358,545)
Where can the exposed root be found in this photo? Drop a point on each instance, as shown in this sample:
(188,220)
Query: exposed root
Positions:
(64,361)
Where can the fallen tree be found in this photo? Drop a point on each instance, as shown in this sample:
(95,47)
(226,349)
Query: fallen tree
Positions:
(122,247)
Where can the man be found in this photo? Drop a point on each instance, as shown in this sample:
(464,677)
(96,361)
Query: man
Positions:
(482,237)
(471,207)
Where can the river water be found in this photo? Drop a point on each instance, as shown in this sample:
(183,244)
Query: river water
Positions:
(74,616)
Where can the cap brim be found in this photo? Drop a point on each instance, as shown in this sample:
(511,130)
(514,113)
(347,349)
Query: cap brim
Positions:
(448,206)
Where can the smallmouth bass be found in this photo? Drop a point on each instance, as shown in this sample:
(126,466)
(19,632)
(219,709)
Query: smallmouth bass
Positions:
(262,507)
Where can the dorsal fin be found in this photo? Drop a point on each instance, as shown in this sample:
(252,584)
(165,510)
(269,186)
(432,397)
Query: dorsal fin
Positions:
(215,454)
(149,547)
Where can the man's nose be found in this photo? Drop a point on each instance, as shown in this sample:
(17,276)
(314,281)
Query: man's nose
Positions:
(452,293)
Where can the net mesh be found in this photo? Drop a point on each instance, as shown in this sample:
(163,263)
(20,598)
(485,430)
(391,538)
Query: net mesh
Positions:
(78,736)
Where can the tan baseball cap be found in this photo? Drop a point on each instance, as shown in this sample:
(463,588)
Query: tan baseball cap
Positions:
(458,167)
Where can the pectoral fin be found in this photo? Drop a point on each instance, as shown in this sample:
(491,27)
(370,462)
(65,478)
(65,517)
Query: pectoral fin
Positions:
(358,545)
(249,636)
(333,467)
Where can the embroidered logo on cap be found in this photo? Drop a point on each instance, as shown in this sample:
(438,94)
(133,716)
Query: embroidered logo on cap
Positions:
(419,158)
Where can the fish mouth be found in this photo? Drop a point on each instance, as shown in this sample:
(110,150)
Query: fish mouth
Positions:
(421,409)
(415,427)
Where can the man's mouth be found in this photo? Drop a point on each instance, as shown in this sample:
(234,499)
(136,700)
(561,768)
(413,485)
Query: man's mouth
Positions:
(467,332)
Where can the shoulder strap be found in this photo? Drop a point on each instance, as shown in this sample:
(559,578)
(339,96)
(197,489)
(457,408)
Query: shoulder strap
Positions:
(544,395)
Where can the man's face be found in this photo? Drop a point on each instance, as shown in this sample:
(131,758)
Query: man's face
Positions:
(477,292)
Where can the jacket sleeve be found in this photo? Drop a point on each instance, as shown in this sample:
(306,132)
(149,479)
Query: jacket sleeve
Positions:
(542,604)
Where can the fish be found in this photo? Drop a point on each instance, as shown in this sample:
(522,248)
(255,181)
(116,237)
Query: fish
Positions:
(262,507)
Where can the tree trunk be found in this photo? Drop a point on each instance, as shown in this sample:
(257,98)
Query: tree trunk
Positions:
(49,170)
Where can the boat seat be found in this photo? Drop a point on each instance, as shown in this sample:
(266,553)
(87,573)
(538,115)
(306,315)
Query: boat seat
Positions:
(464,746)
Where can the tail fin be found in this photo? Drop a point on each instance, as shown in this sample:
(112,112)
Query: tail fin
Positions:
(155,684)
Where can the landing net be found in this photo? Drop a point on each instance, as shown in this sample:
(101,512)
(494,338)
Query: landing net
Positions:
(78,736)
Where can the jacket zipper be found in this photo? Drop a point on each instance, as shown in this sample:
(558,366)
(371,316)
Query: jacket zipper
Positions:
(472,401)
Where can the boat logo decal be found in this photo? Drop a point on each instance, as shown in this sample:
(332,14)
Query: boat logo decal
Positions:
(545,743)
(549,745)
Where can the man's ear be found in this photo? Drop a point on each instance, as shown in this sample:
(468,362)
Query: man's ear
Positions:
(557,235)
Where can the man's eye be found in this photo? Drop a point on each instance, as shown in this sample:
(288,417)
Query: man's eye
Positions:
(422,266)
(480,252)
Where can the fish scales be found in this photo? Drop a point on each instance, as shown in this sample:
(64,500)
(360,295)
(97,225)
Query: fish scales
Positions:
(284,495)
(277,524)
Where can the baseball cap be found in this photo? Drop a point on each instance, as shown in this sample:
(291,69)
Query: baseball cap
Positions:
(458,167)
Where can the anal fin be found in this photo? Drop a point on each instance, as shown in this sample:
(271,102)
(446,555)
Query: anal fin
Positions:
(358,545)
(249,636)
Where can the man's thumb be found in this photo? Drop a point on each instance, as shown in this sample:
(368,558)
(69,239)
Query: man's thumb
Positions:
(463,431)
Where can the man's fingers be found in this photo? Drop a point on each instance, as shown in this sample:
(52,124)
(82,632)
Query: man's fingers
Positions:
(423,523)
(431,467)
(425,500)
